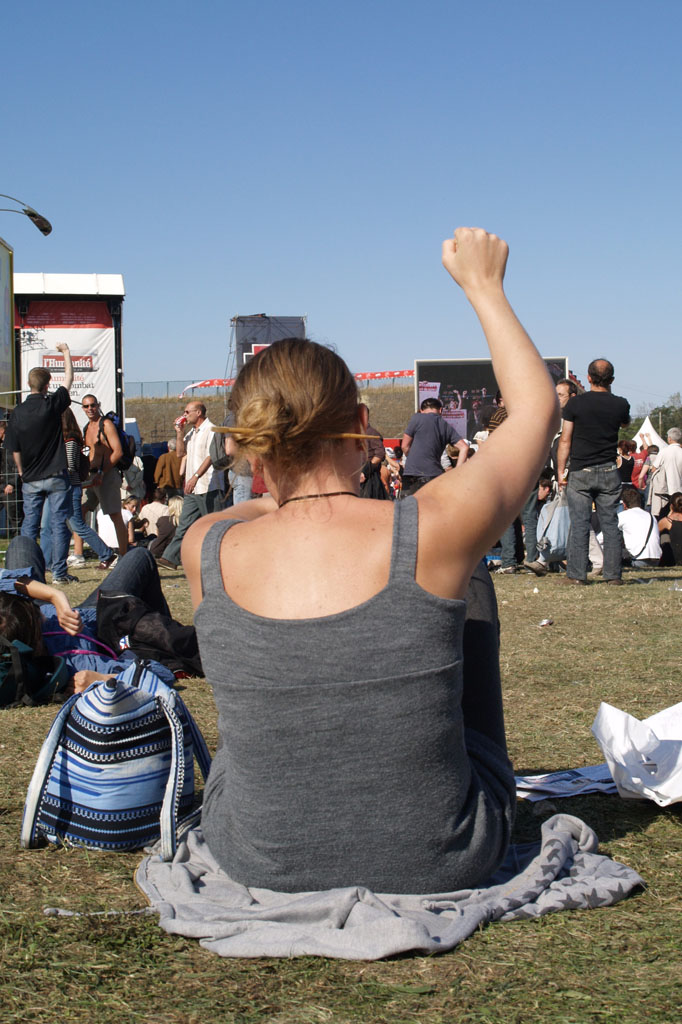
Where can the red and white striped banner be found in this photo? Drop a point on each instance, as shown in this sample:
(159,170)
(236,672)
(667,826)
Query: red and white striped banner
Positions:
(227,382)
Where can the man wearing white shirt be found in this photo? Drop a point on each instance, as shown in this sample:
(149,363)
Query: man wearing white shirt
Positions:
(668,477)
(640,531)
(201,496)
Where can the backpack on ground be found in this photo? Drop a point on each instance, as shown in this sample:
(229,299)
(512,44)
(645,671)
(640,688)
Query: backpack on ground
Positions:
(116,771)
(27,678)
(126,460)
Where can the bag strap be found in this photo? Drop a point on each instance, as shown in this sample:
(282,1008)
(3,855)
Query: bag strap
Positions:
(170,808)
(17,669)
(41,773)
(83,636)
(651,526)
(170,811)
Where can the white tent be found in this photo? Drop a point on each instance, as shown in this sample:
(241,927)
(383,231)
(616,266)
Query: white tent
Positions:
(647,435)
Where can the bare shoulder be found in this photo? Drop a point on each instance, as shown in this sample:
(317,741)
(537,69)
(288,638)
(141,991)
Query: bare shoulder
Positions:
(194,540)
(108,428)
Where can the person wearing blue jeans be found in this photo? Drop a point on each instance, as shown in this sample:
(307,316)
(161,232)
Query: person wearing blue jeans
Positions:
(508,550)
(135,573)
(34,436)
(89,660)
(241,485)
(54,491)
(602,486)
(78,526)
(590,433)
(529,517)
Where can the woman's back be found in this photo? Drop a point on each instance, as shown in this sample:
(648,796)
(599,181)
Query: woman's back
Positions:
(333,771)
(319,558)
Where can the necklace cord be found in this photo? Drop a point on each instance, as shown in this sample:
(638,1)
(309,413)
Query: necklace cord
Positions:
(308,497)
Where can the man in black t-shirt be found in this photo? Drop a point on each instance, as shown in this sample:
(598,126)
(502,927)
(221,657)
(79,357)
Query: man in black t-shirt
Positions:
(590,434)
(34,435)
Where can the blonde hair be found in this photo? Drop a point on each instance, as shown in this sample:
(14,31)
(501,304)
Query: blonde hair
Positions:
(293,403)
(174,509)
(38,378)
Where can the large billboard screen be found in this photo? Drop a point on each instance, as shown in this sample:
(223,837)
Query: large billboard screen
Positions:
(255,332)
(7,385)
(87,328)
(467,388)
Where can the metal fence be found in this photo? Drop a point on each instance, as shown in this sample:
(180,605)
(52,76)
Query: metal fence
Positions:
(174,388)
(167,389)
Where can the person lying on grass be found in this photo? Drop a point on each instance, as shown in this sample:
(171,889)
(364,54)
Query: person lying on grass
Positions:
(48,623)
(331,769)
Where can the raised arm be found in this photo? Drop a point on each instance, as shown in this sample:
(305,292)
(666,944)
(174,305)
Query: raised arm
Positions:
(179,440)
(463,513)
(62,347)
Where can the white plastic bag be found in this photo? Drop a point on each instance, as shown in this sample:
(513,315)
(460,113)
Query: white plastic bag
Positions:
(644,758)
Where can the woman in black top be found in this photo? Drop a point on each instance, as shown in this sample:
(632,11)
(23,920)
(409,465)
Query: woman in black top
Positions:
(625,461)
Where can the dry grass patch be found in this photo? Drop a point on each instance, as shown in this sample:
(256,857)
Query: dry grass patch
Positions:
(618,965)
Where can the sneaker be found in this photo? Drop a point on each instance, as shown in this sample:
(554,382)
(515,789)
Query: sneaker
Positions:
(508,570)
(165,563)
(539,568)
(77,561)
(109,563)
(63,581)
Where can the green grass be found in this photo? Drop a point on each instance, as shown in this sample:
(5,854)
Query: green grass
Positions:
(617,964)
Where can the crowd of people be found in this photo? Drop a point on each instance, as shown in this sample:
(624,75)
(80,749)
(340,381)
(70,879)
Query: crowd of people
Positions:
(622,503)
(626,511)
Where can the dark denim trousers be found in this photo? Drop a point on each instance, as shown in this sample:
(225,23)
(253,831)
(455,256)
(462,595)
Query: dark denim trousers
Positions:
(78,525)
(194,506)
(601,485)
(135,573)
(529,518)
(56,492)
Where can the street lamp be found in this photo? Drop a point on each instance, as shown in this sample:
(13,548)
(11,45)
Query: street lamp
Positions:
(42,223)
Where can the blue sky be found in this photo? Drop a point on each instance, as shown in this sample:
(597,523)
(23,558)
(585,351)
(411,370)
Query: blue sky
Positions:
(310,157)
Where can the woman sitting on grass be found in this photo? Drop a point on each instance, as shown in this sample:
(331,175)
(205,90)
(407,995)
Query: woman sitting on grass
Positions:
(670,526)
(331,769)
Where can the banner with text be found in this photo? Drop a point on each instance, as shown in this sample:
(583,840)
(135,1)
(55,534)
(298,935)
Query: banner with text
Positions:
(87,329)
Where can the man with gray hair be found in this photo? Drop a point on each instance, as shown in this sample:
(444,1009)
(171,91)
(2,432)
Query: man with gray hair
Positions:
(201,494)
(668,477)
(167,471)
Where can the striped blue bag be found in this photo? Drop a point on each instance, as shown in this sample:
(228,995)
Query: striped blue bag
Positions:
(116,770)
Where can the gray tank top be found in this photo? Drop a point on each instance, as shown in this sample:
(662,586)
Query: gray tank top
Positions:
(343,756)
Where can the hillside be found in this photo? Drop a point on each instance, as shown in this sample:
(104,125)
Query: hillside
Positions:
(390,409)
